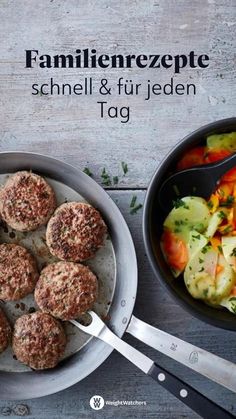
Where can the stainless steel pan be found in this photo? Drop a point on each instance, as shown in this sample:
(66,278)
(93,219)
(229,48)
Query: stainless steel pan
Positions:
(17,382)
(30,384)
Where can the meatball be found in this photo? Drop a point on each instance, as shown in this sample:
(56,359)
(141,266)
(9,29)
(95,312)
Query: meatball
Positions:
(39,340)
(26,201)
(5,332)
(75,232)
(66,290)
(18,272)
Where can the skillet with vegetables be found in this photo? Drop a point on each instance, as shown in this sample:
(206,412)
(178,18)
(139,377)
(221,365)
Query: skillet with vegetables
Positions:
(199,236)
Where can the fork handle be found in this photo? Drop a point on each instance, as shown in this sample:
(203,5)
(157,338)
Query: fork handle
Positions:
(187,394)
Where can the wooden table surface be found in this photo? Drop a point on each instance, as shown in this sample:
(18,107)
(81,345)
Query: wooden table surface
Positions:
(70,128)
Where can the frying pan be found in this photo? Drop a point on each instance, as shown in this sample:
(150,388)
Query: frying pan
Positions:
(31,384)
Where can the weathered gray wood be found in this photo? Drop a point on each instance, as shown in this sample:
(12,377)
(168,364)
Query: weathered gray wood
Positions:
(117,379)
(70,128)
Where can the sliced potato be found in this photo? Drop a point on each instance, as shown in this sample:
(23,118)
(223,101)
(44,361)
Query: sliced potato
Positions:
(199,275)
(229,303)
(196,242)
(192,213)
(225,279)
(205,260)
(215,220)
(229,250)
(203,281)
(201,286)
(225,141)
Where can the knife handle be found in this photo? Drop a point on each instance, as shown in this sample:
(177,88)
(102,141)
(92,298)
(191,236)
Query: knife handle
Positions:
(187,394)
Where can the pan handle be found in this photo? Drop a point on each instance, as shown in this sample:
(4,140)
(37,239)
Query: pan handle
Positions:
(187,394)
(205,363)
(199,403)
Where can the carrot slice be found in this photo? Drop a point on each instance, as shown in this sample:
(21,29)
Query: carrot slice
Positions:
(175,250)
(191,158)
(216,155)
(224,190)
(229,176)
(219,269)
(215,242)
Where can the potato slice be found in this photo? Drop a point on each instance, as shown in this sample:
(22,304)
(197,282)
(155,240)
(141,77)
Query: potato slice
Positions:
(229,250)
(196,242)
(229,303)
(215,221)
(203,281)
(191,214)
(222,141)
(225,279)
(199,275)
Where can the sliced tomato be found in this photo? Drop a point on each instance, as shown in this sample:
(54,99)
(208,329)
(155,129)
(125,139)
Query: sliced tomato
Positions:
(175,250)
(194,157)
(229,176)
(216,155)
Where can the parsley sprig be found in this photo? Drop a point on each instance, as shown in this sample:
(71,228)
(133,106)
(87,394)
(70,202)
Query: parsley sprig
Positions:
(133,207)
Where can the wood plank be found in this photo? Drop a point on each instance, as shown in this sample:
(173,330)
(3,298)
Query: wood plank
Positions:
(117,379)
(70,127)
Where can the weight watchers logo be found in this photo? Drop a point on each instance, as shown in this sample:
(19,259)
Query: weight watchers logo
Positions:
(97,402)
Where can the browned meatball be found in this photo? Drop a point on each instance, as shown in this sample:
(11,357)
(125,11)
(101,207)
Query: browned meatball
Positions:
(75,232)
(18,272)
(26,201)
(39,340)
(66,290)
(5,332)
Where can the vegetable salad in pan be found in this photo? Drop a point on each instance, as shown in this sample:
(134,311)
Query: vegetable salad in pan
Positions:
(199,236)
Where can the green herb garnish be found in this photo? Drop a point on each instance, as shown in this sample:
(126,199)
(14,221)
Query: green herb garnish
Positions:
(124,167)
(227,229)
(205,249)
(106,179)
(136,209)
(229,201)
(210,205)
(179,203)
(196,237)
(88,172)
(219,247)
(222,215)
(176,190)
(133,201)
(115,180)
(233,253)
